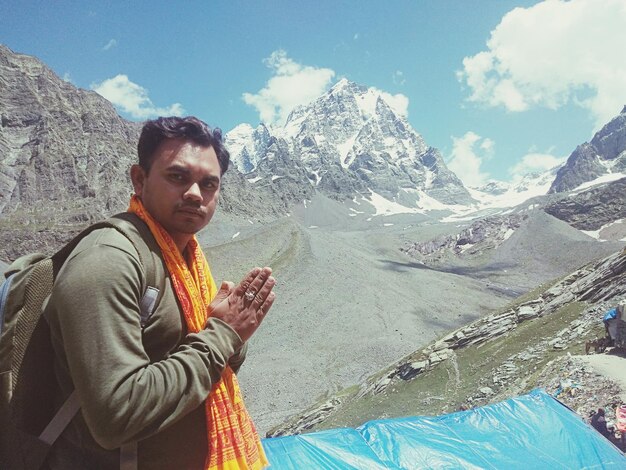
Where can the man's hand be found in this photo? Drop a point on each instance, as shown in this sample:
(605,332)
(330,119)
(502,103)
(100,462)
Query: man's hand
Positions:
(243,307)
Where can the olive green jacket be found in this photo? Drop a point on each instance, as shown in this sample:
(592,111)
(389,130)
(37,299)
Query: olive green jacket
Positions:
(147,385)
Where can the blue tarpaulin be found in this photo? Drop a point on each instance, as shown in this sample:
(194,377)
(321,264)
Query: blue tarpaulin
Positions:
(533,431)
(610,315)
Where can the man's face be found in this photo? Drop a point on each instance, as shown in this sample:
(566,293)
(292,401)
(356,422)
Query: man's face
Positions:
(181,189)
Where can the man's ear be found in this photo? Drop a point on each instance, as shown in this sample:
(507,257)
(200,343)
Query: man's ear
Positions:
(138,177)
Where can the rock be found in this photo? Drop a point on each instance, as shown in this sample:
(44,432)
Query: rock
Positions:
(410,370)
(526,312)
(381,385)
(439,356)
(486,391)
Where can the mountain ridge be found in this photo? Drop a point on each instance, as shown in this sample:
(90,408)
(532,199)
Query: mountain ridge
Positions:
(350,141)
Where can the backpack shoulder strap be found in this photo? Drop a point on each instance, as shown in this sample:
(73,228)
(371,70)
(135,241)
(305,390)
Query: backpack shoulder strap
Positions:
(139,234)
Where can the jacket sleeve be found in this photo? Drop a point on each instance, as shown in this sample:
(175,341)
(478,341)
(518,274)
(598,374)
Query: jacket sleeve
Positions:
(95,322)
(237,359)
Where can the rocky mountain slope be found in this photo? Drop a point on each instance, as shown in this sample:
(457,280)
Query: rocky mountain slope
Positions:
(605,154)
(509,352)
(349,141)
(516,251)
(64,161)
(65,155)
(593,208)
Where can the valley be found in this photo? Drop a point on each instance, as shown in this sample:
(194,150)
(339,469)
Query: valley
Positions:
(350,302)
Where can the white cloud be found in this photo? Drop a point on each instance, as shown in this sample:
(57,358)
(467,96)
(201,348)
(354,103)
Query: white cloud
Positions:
(291,85)
(67,78)
(398,77)
(133,99)
(535,162)
(112,43)
(399,103)
(553,53)
(465,159)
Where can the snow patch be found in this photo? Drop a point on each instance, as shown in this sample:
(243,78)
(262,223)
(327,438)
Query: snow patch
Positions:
(602,179)
(508,234)
(344,149)
(466,247)
(367,103)
(254,180)
(386,207)
(236,235)
(596,233)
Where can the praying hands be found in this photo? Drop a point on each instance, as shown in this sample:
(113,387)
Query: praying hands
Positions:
(244,307)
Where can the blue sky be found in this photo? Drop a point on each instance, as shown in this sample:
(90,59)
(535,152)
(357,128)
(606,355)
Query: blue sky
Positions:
(500,87)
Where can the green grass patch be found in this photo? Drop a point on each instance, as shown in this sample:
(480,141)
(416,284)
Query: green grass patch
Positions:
(448,385)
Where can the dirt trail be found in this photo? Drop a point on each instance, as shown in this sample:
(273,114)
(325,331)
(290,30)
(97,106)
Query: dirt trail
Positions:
(612,366)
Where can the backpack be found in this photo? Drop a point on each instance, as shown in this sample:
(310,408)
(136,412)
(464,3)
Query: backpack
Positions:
(28,423)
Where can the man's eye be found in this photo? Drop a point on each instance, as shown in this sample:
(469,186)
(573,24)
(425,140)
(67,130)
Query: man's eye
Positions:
(210,185)
(176,177)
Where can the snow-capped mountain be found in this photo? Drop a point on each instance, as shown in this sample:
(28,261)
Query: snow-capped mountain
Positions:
(503,194)
(247,146)
(349,141)
(604,156)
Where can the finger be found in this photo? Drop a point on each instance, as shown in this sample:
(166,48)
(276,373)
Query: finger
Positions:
(264,292)
(264,308)
(223,291)
(246,281)
(258,282)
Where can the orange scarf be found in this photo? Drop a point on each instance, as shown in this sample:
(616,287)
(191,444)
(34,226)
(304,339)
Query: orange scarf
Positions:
(232,437)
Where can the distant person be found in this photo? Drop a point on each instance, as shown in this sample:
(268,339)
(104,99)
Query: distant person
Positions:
(611,321)
(169,386)
(598,421)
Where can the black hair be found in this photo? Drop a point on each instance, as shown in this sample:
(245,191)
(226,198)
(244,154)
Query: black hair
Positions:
(188,128)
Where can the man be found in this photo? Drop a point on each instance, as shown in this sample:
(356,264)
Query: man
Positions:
(598,421)
(167,385)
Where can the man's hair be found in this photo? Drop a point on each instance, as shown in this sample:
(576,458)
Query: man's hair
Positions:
(188,128)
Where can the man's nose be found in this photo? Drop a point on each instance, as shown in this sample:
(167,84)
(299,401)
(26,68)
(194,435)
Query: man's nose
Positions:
(193,193)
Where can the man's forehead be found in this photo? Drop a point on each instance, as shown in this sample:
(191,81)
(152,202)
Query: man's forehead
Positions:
(178,149)
(178,144)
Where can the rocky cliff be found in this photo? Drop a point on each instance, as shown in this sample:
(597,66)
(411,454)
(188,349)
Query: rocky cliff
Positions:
(65,155)
(605,154)
(594,208)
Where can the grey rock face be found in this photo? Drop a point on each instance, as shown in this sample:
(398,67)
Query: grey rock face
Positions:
(65,154)
(592,209)
(606,153)
(351,141)
(482,235)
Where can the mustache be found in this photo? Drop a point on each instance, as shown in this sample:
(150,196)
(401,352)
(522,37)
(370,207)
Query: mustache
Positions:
(190,207)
